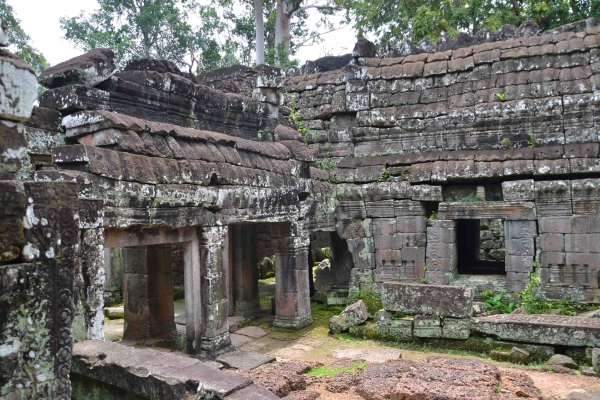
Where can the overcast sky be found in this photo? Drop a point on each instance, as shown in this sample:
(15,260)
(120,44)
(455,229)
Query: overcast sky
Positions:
(40,19)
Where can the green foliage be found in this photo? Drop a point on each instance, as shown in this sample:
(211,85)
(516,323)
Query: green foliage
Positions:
(531,303)
(506,143)
(329,371)
(326,164)
(371,298)
(159,29)
(471,199)
(297,118)
(458,276)
(385,174)
(494,302)
(431,19)
(531,141)
(423,280)
(433,216)
(20,41)
(500,96)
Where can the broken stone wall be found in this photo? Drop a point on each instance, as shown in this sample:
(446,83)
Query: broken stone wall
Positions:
(395,133)
(39,264)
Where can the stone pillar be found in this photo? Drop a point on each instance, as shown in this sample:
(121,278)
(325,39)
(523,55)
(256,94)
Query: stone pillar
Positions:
(520,253)
(442,254)
(214,293)
(245,294)
(148,292)
(292,299)
(88,321)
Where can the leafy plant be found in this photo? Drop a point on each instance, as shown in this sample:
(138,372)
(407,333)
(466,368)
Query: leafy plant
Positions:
(500,96)
(494,302)
(423,280)
(326,164)
(506,143)
(458,276)
(471,199)
(385,174)
(531,141)
(371,298)
(533,305)
(297,118)
(432,216)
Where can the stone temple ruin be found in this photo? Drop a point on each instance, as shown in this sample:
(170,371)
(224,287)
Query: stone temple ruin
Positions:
(434,173)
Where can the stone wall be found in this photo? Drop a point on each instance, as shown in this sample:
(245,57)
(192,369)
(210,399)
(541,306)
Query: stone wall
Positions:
(403,137)
(39,263)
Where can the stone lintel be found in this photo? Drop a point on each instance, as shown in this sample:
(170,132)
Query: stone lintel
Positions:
(512,211)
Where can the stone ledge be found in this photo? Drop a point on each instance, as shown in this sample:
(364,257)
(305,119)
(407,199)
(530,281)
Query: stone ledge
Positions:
(511,211)
(542,329)
(154,375)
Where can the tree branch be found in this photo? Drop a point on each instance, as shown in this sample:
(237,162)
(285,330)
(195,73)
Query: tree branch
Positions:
(296,46)
(300,9)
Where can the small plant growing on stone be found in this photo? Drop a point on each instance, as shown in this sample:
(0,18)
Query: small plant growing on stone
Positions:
(325,164)
(458,276)
(297,119)
(385,174)
(500,96)
(531,141)
(423,280)
(494,302)
(433,216)
(506,143)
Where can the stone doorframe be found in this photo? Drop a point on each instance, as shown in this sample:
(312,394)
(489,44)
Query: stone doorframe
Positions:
(292,291)
(204,278)
(520,228)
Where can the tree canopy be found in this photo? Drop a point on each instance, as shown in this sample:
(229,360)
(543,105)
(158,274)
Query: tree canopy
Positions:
(160,29)
(20,41)
(430,19)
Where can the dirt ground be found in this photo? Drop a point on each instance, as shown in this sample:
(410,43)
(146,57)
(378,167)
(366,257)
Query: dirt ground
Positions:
(315,344)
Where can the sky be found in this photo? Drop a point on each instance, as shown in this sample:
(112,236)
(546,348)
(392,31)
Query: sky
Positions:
(40,19)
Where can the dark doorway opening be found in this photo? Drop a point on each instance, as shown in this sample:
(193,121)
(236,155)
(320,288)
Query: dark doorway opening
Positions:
(468,242)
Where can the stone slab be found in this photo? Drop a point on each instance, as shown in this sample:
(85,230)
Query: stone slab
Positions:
(245,360)
(252,331)
(239,340)
(163,375)
(542,329)
(413,298)
(252,392)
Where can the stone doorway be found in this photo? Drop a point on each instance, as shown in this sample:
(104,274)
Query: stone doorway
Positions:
(473,259)
(291,302)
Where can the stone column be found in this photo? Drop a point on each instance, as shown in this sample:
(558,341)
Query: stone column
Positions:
(292,300)
(520,253)
(214,284)
(245,294)
(442,254)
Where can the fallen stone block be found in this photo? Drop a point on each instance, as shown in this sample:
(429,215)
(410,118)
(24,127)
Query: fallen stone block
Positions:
(542,329)
(515,355)
(412,298)
(354,314)
(88,69)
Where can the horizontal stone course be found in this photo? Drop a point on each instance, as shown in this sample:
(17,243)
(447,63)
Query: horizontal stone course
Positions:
(543,329)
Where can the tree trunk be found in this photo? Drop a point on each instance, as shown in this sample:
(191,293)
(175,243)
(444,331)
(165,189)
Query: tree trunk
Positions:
(278,23)
(260,32)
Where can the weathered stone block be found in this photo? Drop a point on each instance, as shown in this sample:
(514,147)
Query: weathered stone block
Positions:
(449,301)
(543,329)
(520,229)
(553,198)
(395,330)
(427,326)
(456,328)
(518,190)
(19,87)
(427,193)
(406,224)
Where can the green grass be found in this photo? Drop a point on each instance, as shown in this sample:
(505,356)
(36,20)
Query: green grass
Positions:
(328,371)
